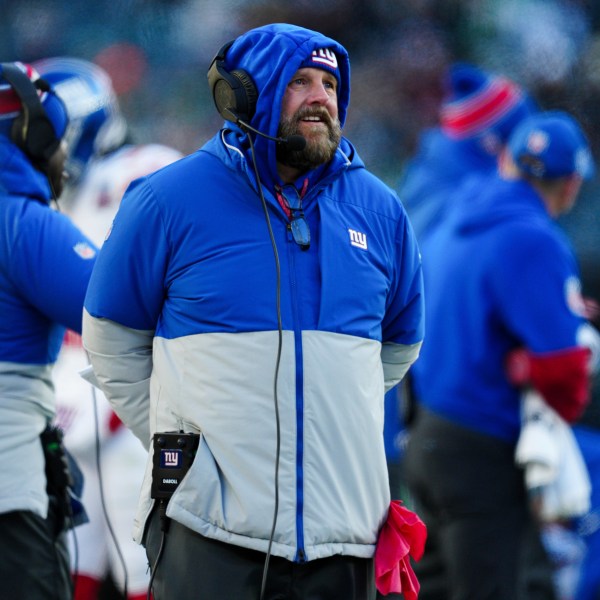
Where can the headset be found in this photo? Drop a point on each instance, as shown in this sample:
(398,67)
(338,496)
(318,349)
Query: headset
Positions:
(235,97)
(32,130)
(234,92)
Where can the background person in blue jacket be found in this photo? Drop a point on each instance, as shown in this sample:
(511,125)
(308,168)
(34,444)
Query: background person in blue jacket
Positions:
(45,265)
(478,112)
(479,109)
(500,276)
(262,294)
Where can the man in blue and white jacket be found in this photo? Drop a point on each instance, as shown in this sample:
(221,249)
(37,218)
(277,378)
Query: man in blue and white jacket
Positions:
(264,296)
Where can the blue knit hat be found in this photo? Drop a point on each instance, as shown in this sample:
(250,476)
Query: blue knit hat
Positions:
(10,104)
(324,59)
(551,144)
(479,103)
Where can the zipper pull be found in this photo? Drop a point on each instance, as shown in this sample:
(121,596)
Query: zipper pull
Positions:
(301,556)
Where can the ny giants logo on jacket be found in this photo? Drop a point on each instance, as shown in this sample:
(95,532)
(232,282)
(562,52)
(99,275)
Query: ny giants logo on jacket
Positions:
(358,239)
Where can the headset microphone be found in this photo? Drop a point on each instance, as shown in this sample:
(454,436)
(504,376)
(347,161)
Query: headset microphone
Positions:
(294,142)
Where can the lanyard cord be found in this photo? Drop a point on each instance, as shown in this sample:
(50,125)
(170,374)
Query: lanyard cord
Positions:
(283,201)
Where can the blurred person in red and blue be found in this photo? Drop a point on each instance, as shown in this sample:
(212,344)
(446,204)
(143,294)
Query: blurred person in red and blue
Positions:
(501,276)
(45,265)
(478,112)
(102,160)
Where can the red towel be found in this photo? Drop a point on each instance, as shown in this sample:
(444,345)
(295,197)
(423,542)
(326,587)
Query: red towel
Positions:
(402,536)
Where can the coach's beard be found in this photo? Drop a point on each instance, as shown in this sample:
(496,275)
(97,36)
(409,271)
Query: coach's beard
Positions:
(319,148)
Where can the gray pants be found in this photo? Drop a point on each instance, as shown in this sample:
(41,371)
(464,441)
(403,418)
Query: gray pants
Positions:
(34,561)
(195,567)
(482,542)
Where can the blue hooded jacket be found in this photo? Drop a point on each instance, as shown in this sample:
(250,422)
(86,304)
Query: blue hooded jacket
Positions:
(182,326)
(45,265)
(500,274)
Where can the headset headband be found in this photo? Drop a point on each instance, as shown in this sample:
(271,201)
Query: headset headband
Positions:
(32,130)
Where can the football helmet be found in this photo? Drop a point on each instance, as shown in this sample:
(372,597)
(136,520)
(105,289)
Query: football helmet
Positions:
(96,125)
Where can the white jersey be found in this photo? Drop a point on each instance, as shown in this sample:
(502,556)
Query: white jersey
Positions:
(92,205)
(96,200)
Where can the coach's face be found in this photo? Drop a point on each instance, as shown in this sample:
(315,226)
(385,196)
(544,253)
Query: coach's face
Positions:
(309,108)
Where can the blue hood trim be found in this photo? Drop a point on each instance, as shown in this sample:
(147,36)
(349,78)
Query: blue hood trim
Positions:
(18,176)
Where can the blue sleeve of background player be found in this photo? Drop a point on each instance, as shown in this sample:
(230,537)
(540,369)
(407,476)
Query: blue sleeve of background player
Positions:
(53,262)
(532,283)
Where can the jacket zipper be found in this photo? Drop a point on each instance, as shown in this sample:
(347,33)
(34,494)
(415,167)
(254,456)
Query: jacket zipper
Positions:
(299,387)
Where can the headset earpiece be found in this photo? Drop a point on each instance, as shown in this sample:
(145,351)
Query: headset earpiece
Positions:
(32,130)
(233,92)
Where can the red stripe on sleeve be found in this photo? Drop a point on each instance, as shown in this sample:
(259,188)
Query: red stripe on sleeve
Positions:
(563,379)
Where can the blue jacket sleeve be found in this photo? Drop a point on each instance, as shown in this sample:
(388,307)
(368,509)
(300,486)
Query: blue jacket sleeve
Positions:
(403,324)
(404,319)
(536,285)
(53,261)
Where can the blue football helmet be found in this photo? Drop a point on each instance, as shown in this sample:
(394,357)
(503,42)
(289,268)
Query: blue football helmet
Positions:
(96,125)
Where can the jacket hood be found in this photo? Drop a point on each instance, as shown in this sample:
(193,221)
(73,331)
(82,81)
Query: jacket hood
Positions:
(270,55)
(17,174)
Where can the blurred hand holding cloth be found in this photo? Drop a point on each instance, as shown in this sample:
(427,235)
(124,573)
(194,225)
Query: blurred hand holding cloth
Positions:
(401,538)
